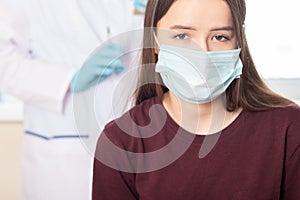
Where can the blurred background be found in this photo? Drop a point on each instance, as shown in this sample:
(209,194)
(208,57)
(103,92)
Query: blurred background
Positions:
(272,30)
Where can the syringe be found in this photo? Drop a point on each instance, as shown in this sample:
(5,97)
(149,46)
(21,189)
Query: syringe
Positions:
(117,69)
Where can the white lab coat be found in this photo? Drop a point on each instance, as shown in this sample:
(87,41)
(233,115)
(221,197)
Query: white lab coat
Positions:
(42,44)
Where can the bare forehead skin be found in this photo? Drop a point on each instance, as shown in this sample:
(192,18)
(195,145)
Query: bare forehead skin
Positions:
(200,14)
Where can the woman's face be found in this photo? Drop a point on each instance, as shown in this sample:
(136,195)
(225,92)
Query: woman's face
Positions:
(207,23)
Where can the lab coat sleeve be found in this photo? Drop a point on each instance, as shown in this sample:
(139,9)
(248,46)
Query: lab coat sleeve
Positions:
(30,79)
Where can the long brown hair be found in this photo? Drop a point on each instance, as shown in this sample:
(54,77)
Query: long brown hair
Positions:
(248,92)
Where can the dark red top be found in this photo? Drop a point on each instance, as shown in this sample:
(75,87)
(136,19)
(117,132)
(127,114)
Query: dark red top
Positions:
(256,157)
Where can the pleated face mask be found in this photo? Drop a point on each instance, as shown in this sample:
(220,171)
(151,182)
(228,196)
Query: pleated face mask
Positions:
(198,77)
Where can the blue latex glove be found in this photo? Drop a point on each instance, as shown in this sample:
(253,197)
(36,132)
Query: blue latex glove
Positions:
(140,5)
(103,63)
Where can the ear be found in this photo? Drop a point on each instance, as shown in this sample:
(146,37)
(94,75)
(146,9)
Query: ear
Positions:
(156,49)
(244,28)
(243,34)
(156,45)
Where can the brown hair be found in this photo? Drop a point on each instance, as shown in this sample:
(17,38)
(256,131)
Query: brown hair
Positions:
(248,92)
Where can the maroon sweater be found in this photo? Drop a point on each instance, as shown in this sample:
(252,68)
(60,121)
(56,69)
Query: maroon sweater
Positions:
(256,157)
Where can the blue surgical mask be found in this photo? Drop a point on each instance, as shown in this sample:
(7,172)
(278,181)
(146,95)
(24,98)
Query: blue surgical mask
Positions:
(198,77)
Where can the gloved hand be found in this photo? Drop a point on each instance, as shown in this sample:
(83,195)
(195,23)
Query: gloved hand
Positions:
(140,5)
(103,63)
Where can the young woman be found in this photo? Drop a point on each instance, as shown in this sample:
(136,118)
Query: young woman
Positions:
(205,125)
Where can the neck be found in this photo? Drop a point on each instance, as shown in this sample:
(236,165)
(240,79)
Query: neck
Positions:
(201,119)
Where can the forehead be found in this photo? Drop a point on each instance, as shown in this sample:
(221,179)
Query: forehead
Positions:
(201,14)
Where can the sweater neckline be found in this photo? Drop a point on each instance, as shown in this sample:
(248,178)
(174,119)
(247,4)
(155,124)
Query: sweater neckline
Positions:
(187,135)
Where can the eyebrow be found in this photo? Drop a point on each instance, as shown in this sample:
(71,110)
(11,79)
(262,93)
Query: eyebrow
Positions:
(224,28)
(183,27)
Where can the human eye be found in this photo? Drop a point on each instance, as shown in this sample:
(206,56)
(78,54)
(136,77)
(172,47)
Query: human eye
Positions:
(181,36)
(220,38)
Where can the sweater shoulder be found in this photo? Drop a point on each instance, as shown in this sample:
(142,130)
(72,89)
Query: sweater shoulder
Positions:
(129,129)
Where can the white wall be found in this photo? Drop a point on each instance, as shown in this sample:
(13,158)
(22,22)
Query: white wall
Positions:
(273,28)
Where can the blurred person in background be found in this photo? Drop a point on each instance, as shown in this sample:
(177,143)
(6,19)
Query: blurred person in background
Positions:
(43,45)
